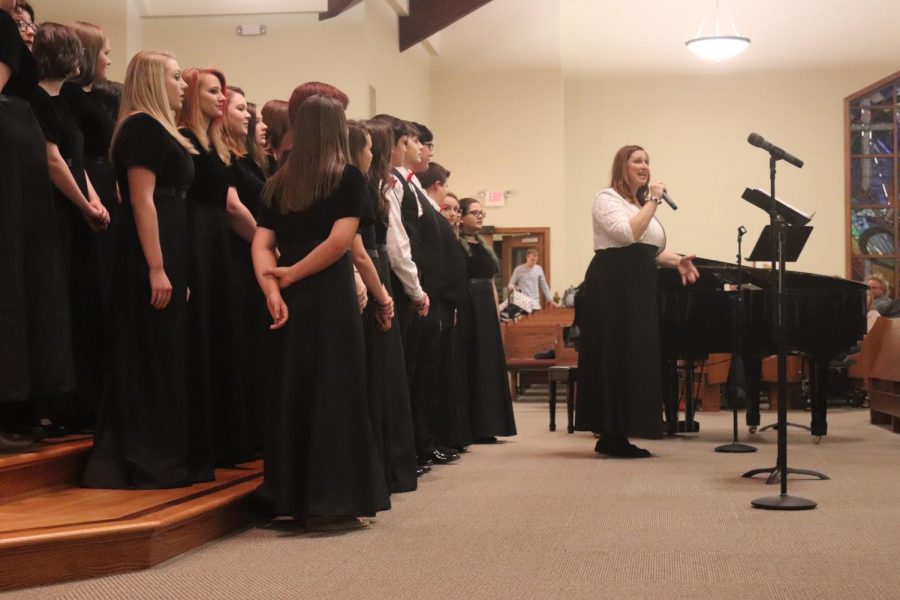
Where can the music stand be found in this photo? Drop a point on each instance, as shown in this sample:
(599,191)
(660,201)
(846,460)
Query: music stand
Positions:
(779,213)
(736,372)
(796,240)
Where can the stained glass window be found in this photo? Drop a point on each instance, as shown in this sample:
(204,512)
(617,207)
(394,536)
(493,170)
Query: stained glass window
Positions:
(873,188)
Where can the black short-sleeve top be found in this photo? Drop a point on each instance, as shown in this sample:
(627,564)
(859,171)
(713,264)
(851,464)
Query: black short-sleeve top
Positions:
(212,177)
(61,129)
(295,231)
(367,219)
(18,57)
(249,180)
(94,121)
(143,142)
(481,264)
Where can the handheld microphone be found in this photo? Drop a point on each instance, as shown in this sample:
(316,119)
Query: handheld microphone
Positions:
(669,201)
(777,153)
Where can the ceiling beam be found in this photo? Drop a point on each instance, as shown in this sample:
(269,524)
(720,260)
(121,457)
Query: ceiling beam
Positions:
(427,17)
(336,7)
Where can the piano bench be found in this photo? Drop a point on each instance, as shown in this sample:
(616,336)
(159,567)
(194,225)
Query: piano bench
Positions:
(569,376)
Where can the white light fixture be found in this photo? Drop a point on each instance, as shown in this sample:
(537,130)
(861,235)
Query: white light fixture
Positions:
(717,47)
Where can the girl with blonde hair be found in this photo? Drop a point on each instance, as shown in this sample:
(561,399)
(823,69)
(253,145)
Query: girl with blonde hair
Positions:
(141,439)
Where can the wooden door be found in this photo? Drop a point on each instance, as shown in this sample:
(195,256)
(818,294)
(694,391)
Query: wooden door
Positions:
(514,243)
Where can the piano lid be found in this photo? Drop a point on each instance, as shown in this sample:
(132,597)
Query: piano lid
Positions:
(723,272)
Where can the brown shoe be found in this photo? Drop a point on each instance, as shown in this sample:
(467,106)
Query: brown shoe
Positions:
(335,523)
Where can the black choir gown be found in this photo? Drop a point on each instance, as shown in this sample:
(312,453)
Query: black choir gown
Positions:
(35,353)
(386,383)
(490,406)
(321,456)
(141,439)
(82,264)
(452,423)
(97,125)
(220,435)
(253,324)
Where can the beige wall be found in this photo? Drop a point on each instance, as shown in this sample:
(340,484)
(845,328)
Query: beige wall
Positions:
(695,130)
(353,51)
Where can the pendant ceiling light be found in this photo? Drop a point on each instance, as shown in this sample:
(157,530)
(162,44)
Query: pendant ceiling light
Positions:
(717,47)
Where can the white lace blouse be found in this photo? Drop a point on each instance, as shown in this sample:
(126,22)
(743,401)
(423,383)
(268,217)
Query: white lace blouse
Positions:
(611,228)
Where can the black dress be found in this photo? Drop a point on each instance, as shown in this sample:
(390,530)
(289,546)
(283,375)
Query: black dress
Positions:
(321,457)
(141,440)
(619,372)
(220,435)
(386,383)
(490,407)
(36,352)
(452,423)
(254,321)
(97,126)
(82,265)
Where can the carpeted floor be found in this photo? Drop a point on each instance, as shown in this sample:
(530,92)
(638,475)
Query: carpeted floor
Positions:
(542,517)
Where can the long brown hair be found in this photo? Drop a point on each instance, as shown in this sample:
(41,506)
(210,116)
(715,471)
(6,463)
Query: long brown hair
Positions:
(92,39)
(191,116)
(380,169)
(316,163)
(619,179)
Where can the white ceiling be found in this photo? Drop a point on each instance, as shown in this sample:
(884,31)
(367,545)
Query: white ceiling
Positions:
(649,35)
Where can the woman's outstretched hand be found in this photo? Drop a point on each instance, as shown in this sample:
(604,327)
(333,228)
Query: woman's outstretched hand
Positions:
(689,273)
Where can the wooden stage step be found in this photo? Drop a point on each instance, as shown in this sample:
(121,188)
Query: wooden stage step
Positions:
(51,531)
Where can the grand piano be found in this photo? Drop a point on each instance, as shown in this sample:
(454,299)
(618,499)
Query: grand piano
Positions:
(822,317)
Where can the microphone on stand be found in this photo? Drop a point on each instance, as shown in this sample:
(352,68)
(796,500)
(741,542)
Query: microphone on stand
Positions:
(669,201)
(778,153)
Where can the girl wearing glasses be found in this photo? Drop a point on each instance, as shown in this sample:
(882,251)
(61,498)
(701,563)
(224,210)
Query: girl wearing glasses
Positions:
(490,408)
(36,349)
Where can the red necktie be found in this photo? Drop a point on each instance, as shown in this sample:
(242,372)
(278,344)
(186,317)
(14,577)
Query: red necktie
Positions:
(409,176)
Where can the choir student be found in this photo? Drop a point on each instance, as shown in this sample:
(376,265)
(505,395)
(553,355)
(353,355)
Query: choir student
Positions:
(322,464)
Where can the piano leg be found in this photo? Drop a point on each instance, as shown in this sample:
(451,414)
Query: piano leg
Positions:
(819,377)
(753,374)
(670,394)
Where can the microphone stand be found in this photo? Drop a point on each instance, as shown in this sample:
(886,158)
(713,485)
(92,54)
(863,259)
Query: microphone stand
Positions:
(783,501)
(737,355)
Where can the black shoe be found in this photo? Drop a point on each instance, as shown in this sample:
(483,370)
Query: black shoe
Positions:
(602,446)
(628,450)
(448,452)
(422,470)
(439,458)
(486,440)
(424,462)
(10,442)
(461,449)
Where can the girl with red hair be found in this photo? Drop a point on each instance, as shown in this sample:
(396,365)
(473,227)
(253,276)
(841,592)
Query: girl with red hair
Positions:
(220,430)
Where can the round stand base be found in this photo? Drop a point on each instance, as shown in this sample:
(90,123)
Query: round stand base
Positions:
(735,447)
(783,502)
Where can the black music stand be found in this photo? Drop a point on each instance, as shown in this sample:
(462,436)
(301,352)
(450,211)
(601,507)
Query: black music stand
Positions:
(779,213)
(762,252)
(736,380)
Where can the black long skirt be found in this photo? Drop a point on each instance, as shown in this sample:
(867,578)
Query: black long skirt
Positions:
(251,335)
(619,373)
(452,424)
(221,433)
(36,350)
(321,457)
(388,392)
(141,439)
(490,403)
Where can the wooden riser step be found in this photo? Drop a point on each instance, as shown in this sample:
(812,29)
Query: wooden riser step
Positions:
(53,464)
(77,533)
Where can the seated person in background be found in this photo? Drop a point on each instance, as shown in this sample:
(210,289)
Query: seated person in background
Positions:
(528,278)
(878,301)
